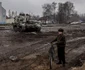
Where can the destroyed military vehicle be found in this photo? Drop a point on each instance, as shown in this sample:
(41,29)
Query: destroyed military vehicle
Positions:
(23,23)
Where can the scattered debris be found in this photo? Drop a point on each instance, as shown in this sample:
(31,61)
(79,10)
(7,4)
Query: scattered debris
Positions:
(78,68)
(14,58)
(34,33)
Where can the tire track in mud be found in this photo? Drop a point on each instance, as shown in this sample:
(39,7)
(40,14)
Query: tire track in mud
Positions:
(75,50)
(25,50)
(40,47)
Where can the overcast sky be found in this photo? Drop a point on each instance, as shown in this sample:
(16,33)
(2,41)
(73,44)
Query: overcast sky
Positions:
(35,6)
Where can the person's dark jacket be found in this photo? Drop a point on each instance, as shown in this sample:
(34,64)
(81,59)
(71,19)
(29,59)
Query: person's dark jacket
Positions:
(60,39)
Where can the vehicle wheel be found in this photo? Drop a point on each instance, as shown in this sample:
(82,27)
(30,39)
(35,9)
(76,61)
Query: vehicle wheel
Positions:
(15,28)
(20,29)
(38,30)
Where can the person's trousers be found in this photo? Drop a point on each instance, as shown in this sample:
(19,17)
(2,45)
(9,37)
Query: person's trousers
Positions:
(61,54)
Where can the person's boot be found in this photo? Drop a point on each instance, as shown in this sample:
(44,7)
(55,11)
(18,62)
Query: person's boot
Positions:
(63,64)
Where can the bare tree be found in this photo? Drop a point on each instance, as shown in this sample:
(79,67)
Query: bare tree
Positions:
(75,17)
(54,11)
(49,11)
(64,12)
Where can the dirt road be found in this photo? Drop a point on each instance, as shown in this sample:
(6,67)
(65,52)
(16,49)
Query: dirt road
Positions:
(25,43)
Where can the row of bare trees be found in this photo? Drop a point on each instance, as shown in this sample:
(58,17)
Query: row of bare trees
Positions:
(49,11)
(63,13)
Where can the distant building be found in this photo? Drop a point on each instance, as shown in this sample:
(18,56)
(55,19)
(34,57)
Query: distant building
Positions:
(9,20)
(2,14)
(10,17)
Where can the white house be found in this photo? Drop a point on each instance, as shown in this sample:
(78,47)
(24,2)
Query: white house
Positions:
(9,20)
(2,14)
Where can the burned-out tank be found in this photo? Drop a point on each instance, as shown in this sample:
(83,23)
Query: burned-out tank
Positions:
(23,23)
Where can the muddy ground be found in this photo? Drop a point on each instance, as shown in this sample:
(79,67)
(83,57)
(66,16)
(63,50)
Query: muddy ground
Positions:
(32,48)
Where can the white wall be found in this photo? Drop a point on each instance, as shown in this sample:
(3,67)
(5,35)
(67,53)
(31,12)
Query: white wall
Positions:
(2,14)
(10,21)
